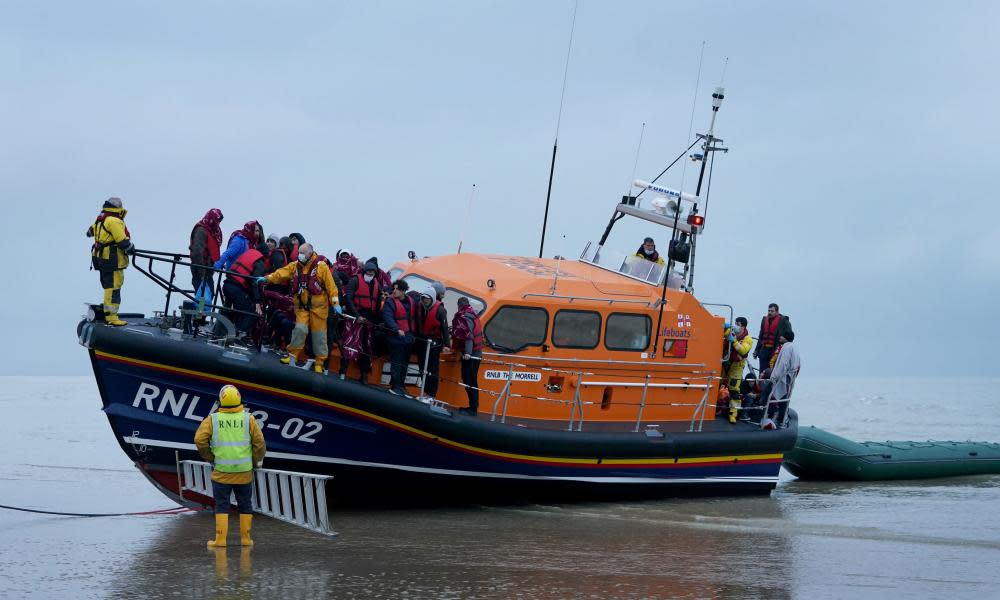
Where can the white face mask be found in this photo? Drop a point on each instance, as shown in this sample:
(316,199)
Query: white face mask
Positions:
(368,278)
(738,330)
(303,258)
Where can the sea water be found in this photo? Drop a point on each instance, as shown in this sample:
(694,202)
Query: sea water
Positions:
(922,539)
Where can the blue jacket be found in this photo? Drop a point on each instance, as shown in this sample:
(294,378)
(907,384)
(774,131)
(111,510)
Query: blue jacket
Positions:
(237,246)
(389,318)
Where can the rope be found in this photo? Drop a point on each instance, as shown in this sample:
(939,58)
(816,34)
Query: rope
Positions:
(158,512)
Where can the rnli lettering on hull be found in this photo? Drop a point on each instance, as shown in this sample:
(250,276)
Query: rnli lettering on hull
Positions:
(169,402)
(518,375)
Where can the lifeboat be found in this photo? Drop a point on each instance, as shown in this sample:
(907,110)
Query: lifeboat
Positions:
(599,380)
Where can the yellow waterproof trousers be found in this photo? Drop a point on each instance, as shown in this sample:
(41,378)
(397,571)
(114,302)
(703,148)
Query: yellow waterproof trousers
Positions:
(111,281)
(735,375)
(310,320)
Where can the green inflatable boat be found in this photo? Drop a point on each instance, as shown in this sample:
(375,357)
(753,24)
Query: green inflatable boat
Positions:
(820,454)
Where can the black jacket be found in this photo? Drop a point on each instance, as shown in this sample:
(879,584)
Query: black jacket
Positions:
(784,328)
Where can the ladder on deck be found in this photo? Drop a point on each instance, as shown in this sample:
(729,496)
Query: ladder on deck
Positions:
(296,498)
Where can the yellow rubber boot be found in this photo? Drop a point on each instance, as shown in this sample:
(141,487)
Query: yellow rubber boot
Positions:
(319,364)
(245,522)
(286,359)
(734,408)
(111,316)
(221,531)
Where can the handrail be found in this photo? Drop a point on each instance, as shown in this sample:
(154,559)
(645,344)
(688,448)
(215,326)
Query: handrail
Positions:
(175,259)
(588,298)
(595,360)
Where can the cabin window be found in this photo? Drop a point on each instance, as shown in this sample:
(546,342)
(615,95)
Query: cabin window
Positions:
(451,295)
(513,328)
(627,332)
(576,329)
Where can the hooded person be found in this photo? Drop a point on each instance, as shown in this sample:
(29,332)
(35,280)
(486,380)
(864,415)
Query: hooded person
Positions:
(314,292)
(231,440)
(648,251)
(109,255)
(363,301)
(205,248)
(430,320)
(276,257)
(383,278)
(467,339)
(297,240)
(240,241)
(439,289)
(781,380)
(346,267)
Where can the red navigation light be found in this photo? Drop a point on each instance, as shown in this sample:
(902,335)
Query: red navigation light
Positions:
(696,220)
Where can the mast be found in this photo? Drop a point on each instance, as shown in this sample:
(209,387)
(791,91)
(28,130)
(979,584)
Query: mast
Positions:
(693,219)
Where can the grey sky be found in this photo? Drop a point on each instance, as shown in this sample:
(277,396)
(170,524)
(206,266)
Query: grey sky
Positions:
(858,193)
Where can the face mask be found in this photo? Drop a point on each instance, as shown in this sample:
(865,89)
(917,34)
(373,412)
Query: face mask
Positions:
(738,330)
(303,258)
(368,278)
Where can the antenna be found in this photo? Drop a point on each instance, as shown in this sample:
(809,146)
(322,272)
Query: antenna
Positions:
(555,144)
(468,212)
(636,164)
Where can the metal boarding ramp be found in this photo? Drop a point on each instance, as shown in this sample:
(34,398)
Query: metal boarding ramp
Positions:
(295,498)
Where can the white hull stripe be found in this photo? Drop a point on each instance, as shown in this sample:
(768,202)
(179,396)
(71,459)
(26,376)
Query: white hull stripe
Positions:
(343,461)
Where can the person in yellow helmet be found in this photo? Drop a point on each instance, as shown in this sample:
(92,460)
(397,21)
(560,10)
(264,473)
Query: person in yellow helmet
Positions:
(109,255)
(231,440)
(314,292)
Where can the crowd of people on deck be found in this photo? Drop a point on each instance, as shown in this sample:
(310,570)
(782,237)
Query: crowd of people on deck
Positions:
(279,291)
(778,366)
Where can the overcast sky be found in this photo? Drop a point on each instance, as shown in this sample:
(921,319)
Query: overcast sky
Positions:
(858,192)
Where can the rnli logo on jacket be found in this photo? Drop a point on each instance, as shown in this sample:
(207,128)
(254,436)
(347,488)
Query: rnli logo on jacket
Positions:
(518,375)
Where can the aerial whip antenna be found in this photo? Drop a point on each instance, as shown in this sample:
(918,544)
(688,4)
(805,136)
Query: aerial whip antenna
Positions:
(468,212)
(555,144)
(636,164)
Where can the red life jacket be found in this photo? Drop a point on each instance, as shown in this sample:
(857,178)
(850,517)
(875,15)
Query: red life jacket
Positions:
(431,326)
(244,266)
(402,316)
(211,244)
(734,356)
(309,281)
(459,332)
(769,331)
(368,295)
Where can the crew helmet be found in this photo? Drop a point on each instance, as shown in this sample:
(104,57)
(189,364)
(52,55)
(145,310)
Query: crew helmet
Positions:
(229,396)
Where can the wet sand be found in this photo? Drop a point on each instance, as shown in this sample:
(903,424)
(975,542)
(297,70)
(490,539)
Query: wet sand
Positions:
(817,540)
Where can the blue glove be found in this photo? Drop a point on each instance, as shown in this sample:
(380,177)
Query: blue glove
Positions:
(731,338)
(260,279)
(726,326)
(337,309)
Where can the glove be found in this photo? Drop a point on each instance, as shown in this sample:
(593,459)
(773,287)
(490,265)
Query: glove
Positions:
(260,280)
(337,309)
(727,326)
(731,338)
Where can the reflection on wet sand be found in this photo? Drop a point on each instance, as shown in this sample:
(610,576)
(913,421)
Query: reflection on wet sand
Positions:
(696,549)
